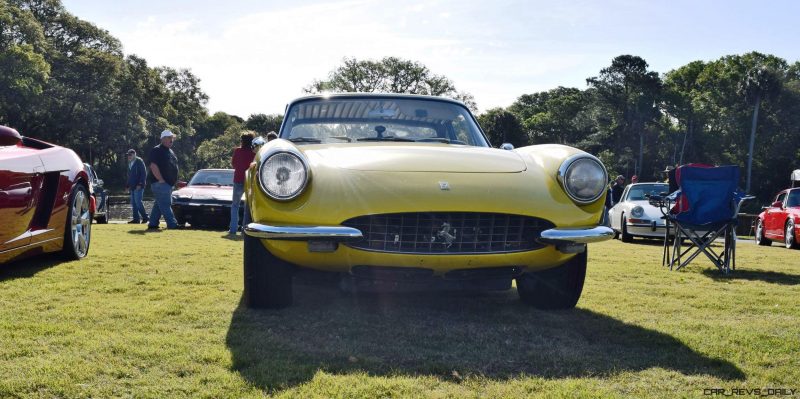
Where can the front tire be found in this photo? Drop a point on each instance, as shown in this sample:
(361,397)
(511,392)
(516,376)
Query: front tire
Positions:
(267,279)
(788,236)
(625,236)
(78,227)
(102,219)
(557,288)
(760,239)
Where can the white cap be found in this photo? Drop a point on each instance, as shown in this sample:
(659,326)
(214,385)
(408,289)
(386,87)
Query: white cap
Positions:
(167,133)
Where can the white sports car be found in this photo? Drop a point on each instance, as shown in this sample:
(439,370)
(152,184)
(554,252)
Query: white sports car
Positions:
(634,216)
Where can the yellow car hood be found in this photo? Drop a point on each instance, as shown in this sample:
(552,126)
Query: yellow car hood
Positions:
(428,157)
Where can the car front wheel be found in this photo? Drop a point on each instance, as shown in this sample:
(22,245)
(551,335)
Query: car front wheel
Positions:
(267,279)
(788,237)
(78,227)
(625,236)
(557,288)
(760,239)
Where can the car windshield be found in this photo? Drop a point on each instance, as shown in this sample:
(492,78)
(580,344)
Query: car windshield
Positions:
(794,198)
(212,178)
(640,191)
(354,120)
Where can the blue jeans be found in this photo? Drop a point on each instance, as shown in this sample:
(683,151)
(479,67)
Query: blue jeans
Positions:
(162,194)
(238,191)
(137,207)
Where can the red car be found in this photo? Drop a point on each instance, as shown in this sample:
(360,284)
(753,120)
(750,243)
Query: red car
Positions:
(45,204)
(206,200)
(781,220)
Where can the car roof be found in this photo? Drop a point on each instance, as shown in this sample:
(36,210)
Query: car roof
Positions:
(373,96)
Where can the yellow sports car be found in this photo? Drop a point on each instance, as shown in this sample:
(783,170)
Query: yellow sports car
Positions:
(405,191)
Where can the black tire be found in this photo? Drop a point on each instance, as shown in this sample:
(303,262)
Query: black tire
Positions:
(557,288)
(267,279)
(102,219)
(788,235)
(77,227)
(625,237)
(760,239)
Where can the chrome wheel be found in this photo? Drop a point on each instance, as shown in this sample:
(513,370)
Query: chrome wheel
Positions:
(760,239)
(788,236)
(81,224)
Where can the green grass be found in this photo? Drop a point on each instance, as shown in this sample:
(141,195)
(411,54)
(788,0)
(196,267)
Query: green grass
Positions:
(158,315)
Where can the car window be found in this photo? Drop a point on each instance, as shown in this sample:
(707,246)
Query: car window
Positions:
(794,198)
(640,192)
(212,178)
(358,120)
(780,197)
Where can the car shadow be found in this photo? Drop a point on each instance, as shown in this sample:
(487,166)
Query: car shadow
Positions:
(448,336)
(754,275)
(30,264)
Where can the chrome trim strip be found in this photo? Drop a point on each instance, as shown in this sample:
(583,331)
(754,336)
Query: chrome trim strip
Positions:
(303,233)
(583,235)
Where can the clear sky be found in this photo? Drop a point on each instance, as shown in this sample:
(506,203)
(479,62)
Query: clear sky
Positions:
(254,56)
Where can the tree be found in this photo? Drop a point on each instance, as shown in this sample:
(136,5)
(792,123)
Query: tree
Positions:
(555,116)
(502,127)
(759,83)
(680,90)
(263,123)
(628,93)
(389,75)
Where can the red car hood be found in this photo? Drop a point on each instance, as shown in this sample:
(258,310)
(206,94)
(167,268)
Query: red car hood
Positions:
(220,193)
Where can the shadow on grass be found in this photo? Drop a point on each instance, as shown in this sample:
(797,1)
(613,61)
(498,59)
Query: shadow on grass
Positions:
(435,334)
(754,275)
(30,263)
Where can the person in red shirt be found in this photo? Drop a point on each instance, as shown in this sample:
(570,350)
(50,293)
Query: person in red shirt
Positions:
(242,157)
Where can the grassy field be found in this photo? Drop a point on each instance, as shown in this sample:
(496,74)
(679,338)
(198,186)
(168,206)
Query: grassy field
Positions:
(158,315)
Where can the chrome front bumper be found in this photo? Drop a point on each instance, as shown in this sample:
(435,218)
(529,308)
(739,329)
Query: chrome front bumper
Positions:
(584,235)
(341,233)
(303,233)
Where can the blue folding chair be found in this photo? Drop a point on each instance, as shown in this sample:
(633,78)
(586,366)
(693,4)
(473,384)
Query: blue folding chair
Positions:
(703,210)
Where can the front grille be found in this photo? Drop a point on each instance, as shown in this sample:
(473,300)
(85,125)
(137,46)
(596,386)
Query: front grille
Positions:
(448,232)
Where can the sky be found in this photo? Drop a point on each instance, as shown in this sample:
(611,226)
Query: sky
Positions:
(255,56)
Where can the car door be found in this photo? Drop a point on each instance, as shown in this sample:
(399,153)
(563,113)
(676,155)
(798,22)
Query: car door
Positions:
(774,217)
(18,179)
(615,214)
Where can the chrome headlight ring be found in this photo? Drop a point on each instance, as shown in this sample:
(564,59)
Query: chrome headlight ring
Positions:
(582,160)
(637,211)
(273,154)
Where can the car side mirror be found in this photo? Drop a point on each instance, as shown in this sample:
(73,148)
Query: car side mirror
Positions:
(257,142)
(507,146)
(181,184)
(777,204)
(9,136)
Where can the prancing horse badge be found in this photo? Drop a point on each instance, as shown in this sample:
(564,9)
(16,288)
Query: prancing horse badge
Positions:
(443,185)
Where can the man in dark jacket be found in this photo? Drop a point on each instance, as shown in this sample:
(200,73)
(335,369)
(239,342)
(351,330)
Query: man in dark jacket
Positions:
(135,185)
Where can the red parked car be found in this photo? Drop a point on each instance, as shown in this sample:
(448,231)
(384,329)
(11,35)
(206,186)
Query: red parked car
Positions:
(45,204)
(781,220)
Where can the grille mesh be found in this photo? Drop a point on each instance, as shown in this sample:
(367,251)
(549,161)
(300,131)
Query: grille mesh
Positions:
(448,232)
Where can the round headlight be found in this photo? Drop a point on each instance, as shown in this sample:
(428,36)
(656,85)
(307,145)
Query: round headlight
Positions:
(283,175)
(583,177)
(637,211)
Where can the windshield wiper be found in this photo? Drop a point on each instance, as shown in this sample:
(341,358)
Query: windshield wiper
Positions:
(386,138)
(304,140)
(436,139)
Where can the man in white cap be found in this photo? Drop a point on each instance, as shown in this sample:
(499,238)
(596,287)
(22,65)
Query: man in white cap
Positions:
(163,165)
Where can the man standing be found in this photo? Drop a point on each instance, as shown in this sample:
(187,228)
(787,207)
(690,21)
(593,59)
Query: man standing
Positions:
(616,189)
(163,175)
(242,156)
(137,173)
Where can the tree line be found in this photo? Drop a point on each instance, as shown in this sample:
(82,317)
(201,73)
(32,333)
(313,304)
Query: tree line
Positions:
(67,81)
